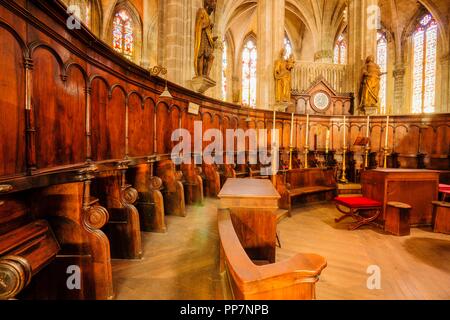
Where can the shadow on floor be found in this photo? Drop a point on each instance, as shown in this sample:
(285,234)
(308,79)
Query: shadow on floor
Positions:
(424,248)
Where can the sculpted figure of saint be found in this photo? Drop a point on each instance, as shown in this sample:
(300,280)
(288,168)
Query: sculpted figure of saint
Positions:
(282,74)
(204,40)
(370,85)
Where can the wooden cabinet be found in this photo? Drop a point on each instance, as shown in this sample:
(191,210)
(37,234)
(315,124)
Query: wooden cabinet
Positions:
(418,188)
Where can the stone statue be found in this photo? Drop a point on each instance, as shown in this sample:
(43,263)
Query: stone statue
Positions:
(282,74)
(204,40)
(370,86)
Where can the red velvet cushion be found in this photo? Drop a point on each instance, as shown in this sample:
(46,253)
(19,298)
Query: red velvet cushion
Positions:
(444,188)
(357,202)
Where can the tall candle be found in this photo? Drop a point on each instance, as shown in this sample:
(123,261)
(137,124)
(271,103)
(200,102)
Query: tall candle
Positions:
(387,132)
(327,142)
(292,130)
(307,130)
(368,127)
(345,143)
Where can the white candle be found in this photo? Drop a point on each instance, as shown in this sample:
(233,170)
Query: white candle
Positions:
(387,132)
(344,134)
(307,130)
(327,142)
(368,127)
(292,130)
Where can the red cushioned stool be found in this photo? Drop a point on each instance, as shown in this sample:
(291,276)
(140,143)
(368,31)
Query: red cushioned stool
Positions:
(355,205)
(444,189)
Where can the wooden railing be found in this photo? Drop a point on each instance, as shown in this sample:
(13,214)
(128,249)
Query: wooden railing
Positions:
(292,279)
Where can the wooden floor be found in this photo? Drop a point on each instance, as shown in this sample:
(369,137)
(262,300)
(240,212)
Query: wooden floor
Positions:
(183,263)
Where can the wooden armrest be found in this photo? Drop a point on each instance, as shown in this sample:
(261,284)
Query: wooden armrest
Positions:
(278,280)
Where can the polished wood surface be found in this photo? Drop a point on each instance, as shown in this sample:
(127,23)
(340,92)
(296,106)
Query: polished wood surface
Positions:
(397,218)
(173,190)
(305,182)
(249,193)
(293,279)
(417,188)
(412,267)
(71,105)
(441,217)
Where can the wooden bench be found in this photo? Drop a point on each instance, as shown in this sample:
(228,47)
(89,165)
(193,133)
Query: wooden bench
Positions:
(173,190)
(292,279)
(193,184)
(212,180)
(150,203)
(303,182)
(118,197)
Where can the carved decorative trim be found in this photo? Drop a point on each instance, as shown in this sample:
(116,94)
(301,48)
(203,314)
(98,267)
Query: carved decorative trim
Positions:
(129,195)
(96,217)
(155,183)
(4,188)
(15,274)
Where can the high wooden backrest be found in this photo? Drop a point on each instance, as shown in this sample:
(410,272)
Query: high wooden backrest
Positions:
(291,279)
(310,177)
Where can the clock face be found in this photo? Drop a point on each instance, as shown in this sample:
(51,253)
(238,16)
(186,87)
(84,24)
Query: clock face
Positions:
(321,101)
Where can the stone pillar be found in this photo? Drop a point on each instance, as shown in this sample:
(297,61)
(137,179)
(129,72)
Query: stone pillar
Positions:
(443,104)
(271,30)
(399,85)
(177,34)
(363,22)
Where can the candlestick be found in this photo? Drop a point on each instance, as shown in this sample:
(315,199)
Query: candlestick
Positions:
(291,150)
(292,130)
(387,132)
(343,178)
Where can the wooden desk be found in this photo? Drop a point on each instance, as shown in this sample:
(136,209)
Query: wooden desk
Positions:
(417,188)
(253,204)
(249,193)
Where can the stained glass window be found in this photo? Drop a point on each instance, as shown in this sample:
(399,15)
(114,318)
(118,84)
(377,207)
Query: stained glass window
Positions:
(224,70)
(424,74)
(382,56)
(340,50)
(249,58)
(123,37)
(288,47)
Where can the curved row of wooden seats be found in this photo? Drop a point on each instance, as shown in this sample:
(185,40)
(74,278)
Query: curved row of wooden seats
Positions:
(292,279)
(78,220)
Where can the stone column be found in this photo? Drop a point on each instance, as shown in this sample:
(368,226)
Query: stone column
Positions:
(271,30)
(399,85)
(443,104)
(363,22)
(177,34)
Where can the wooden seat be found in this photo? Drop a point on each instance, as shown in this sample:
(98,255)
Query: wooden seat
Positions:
(292,279)
(356,205)
(397,218)
(304,182)
(441,217)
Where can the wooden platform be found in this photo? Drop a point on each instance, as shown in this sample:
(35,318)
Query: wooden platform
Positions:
(183,264)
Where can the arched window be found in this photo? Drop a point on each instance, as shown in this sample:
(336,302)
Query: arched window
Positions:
(249,59)
(382,56)
(424,74)
(288,47)
(224,70)
(340,50)
(123,35)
